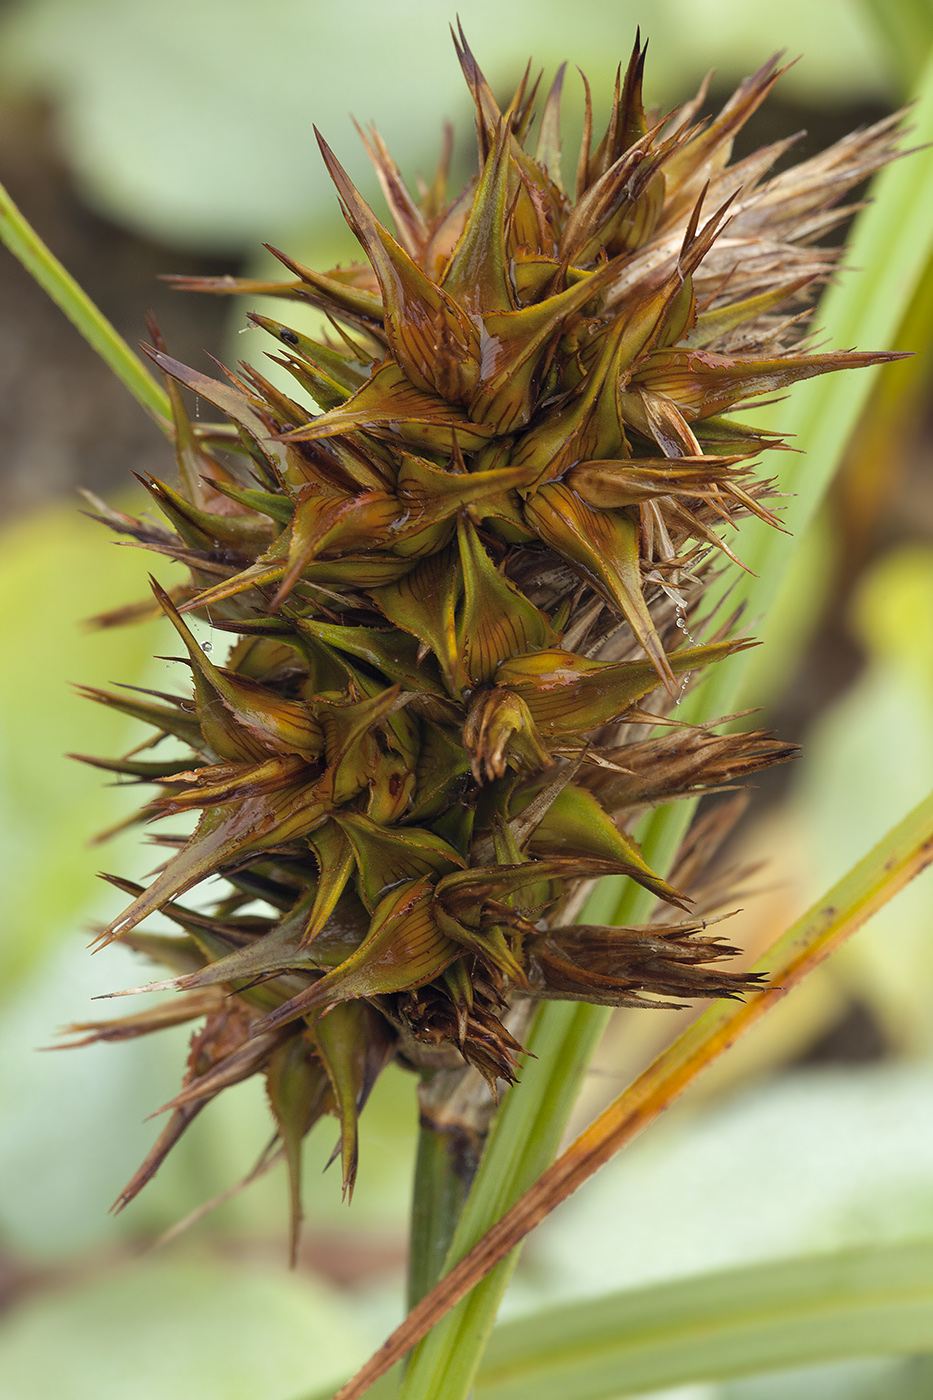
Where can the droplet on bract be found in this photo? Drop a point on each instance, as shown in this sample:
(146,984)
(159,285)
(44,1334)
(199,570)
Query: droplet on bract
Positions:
(681,622)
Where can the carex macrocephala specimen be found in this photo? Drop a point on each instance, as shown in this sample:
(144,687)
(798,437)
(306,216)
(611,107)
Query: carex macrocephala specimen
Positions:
(463,596)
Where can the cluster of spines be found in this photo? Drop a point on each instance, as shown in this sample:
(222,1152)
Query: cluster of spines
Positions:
(453,589)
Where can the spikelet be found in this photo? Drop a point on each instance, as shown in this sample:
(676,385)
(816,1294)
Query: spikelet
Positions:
(452,591)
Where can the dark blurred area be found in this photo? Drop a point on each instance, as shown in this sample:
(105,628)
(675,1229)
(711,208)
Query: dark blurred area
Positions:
(65,421)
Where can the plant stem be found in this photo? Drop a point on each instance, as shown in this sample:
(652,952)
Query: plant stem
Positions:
(442,1184)
(523,1141)
(39,261)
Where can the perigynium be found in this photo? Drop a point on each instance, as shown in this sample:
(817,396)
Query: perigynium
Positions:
(463,600)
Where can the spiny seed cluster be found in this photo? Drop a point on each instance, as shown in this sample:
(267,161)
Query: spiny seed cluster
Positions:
(452,590)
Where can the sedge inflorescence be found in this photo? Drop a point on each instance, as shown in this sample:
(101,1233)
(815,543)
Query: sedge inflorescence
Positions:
(452,591)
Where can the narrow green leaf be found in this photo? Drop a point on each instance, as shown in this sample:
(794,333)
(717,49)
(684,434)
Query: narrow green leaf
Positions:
(41,263)
(437,1203)
(800,1312)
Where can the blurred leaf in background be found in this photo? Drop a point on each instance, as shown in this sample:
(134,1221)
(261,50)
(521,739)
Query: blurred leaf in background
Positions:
(870,756)
(55,572)
(193,1331)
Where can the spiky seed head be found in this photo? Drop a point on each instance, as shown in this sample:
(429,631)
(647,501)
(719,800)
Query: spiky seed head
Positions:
(452,590)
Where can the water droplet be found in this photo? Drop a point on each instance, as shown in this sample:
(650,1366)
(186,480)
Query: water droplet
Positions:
(207,646)
(681,621)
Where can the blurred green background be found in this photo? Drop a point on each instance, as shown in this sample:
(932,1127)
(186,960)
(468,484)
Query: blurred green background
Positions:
(178,137)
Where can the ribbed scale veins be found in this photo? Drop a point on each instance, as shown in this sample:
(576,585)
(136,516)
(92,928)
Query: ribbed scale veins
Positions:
(457,587)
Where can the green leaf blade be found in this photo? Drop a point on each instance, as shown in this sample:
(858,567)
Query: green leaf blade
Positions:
(867,1302)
